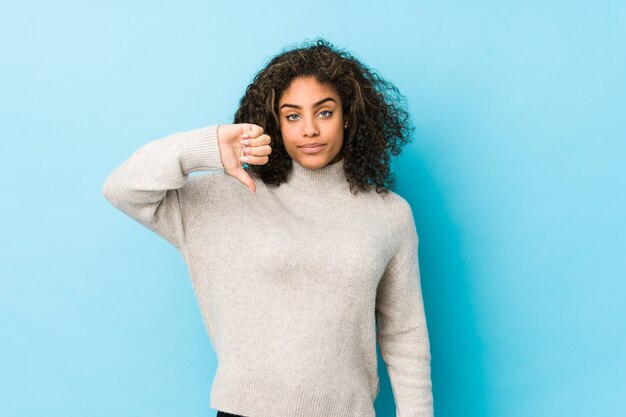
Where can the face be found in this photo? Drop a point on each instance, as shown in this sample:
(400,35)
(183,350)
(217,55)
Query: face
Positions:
(311,123)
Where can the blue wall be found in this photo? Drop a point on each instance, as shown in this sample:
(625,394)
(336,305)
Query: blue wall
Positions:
(516,178)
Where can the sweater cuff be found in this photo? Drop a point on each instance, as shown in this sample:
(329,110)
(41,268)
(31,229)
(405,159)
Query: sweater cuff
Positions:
(199,150)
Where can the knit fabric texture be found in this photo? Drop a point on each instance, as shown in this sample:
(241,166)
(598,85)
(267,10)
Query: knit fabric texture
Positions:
(295,283)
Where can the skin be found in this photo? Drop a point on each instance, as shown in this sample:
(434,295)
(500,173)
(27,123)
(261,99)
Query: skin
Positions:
(304,119)
(311,122)
(239,143)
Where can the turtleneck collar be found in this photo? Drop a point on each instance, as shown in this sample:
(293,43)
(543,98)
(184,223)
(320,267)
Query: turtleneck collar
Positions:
(328,176)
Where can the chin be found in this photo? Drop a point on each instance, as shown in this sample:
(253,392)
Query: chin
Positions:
(313,162)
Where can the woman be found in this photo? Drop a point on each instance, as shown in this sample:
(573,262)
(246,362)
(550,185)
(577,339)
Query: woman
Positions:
(300,276)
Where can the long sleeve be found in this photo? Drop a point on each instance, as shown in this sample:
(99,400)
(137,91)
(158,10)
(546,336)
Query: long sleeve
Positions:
(153,185)
(402,330)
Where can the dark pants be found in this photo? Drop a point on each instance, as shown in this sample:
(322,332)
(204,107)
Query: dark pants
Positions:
(225,414)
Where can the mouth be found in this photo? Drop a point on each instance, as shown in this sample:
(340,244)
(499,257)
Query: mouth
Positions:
(312,147)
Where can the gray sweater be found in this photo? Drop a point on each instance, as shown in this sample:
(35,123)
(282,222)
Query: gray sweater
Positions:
(296,283)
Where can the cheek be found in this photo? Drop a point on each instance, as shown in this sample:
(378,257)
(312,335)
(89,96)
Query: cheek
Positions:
(338,125)
(338,132)
(287,135)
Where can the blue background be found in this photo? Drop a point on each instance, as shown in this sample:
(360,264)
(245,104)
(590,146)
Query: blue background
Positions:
(516,178)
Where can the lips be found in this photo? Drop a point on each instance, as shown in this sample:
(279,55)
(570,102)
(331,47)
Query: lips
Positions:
(312,148)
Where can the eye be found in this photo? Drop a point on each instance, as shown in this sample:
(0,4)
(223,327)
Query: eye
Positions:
(289,115)
(326,111)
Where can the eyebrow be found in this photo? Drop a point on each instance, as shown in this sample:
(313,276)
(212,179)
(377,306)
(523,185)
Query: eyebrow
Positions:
(314,104)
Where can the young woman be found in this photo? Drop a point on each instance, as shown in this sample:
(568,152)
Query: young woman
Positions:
(300,255)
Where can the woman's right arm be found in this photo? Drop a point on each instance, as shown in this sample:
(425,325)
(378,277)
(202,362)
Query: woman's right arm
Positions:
(153,185)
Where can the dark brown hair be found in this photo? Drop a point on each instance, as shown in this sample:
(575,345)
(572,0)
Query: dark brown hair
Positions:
(378,124)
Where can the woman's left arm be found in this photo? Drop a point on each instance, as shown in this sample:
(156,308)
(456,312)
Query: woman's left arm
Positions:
(402,330)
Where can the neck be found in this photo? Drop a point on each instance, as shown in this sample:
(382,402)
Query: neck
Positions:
(328,176)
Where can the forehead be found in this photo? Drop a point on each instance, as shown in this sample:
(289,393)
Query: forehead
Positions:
(307,90)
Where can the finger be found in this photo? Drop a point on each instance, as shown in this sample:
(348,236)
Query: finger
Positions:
(254,160)
(245,178)
(262,150)
(252,131)
(263,139)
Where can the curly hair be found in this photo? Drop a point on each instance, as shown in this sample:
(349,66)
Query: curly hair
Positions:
(378,123)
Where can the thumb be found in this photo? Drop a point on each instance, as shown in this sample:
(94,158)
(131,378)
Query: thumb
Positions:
(245,178)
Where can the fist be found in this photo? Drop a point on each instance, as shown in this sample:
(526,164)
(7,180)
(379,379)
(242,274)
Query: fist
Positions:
(243,143)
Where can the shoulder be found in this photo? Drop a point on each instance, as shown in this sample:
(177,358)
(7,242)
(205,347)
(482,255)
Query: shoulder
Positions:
(401,220)
(193,192)
(404,239)
(393,216)
(395,201)
(398,208)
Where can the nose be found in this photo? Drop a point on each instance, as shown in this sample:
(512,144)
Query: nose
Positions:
(310,128)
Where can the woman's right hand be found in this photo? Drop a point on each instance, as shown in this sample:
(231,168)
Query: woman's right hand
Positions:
(241,140)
